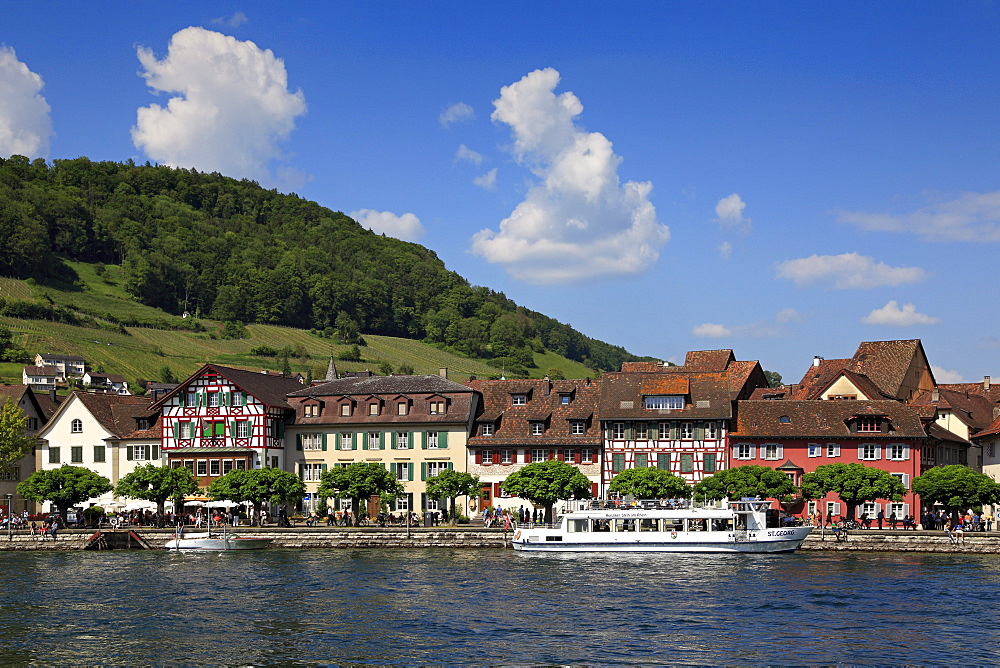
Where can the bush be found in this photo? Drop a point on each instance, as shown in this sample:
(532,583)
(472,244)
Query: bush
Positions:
(263,351)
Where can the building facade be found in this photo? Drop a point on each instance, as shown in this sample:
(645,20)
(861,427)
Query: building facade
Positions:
(24,398)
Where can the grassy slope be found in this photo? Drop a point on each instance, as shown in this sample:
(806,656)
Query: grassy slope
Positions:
(144,351)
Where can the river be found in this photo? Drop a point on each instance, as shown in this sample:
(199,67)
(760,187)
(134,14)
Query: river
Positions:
(496,607)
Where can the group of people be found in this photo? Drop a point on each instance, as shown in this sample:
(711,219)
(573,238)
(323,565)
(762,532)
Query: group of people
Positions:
(968,521)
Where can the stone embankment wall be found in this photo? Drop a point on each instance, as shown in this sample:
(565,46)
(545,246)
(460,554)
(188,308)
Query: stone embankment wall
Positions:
(904,541)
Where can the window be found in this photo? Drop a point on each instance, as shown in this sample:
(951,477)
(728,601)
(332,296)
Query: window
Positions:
(842,397)
(569,455)
(32,424)
(347,441)
(76,426)
(401,408)
(140,453)
(832,450)
(709,461)
(539,455)
(486,429)
(771,451)
(900,510)
(240,399)
(312,472)
(437,408)
(518,399)
(241,464)
(213,428)
(227,466)
(868,424)
(586,455)
(243,429)
(903,478)
(898,451)
(76,454)
(537,428)
(668,402)
(641,431)
(687,462)
(373,409)
(815,450)
(213,467)
(870,508)
(711,431)
(374,440)
(345,410)
(618,430)
(99,453)
(663,461)
(745,451)
(402,502)
(486,457)
(869,451)
(213,399)
(13,474)
(190,399)
(832,508)
(617,463)
(311,410)
(402,440)
(202,467)
(506,456)
(564,399)
(577,427)
(432,440)
(402,470)
(687,430)
(312,441)
(641,459)
(433,468)
(784,419)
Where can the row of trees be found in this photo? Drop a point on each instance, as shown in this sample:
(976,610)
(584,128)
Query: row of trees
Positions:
(233,251)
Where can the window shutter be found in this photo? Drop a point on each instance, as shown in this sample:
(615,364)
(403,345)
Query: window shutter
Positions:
(423,470)
(906,452)
(323,440)
(663,461)
(354,441)
(298,441)
(451,466)
(129,453)
(423,441)
(281,428)
(675,433)
(423,500)
(393,440)
(906,483)
(323,469)
(338,441)
(410,444)
(365,445)
(409,471)
(653,434)
(699,431)
(630,431)
(181,398)
(155,450)
(497,489)
(225,398)
(479,457)
(381,440)
(527,456)
(906,510)
(232,429)
(301,468)
(578,456)
(861,452)
(878,452)
(781,451)
(559,456)
(495,458)
(442,440)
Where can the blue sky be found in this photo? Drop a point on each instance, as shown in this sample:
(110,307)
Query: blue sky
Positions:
(783,179)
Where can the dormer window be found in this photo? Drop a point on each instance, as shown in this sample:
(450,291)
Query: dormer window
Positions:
(437,407)
(486,429)
(345,410)
(310,410)
(402,408)
(665,402)
(518,399)
(373,408)
(784,419)
(869,424)
(537,428)
(142,424)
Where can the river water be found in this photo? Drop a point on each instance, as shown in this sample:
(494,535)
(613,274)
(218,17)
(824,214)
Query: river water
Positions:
(496,607)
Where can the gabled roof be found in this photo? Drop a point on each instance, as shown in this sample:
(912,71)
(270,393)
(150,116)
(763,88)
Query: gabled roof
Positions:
(822,419)
(116,413)
(974,410)
(512,424)
(886,362)
(382,385)
(18,392)
(47,371)
(269,389)
(708,395)
(992,429)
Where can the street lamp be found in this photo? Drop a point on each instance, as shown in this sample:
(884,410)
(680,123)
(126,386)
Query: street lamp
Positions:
(10,516)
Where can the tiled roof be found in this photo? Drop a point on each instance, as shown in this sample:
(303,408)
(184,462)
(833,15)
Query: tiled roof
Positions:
(513,423)
(268,388)
(14,392)
(818,377)
(623,395)
(973,409)
(821,419)
(885,362)
(381,385)
(41,371)
(937,431)
(117,413)
(992,392)
(709,360)
(992,429)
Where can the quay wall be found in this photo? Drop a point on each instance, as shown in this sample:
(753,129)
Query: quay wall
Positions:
(473,538)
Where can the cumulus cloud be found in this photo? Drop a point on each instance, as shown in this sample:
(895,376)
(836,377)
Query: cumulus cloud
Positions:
(725,250)
(891,314)
(946,376)
(968,217)
(788,315)
(763,329)
(577,221)
(25,126)
(848,270)
(712,330)
(456,113)
(234,21)
(406,227)
(466,154)
(487,181)
(729,213)
(232,110)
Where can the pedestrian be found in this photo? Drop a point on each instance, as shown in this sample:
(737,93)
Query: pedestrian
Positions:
(881,518)
(988,521)
(892,520)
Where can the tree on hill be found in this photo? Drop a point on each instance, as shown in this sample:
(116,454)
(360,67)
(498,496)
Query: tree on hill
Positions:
(358,482)
(649,483)
(157,484)
(853,483)
(14,442)
(955,487)
(64,487)
(546,482)
(746,482)
(259,486)
(450,484)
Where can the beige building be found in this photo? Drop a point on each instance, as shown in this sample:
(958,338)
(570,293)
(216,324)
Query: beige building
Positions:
(414,426)
(26,400)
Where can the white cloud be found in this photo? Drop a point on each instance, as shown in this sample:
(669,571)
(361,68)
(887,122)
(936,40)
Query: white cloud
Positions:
(788,315)
(234,21)
(456,113)
(466,154)
(577,222)
(487,181)
(729,213)
(891,314)
(945,376)
(969,217)
(712,331)
(232,109)
(725,250)
(25,126)
(406,227)
(848,270)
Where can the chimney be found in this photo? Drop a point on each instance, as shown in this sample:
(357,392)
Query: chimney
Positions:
(935,395)
(588,381)
(986,383)
(52,395)
(816,360)
(443,372)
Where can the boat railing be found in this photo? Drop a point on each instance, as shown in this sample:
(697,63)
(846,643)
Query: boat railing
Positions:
(648,504)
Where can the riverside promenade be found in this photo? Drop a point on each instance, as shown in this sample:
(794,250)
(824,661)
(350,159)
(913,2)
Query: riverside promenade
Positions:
(465,537)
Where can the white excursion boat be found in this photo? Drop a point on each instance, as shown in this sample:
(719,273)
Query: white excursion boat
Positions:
(206,541)
(655,526)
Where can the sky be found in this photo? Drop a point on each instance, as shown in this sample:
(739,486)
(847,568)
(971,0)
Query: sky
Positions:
(782,179)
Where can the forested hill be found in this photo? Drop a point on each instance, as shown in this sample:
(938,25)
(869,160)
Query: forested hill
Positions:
(233,251)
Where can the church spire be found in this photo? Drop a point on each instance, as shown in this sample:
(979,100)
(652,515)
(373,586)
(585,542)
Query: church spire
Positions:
(331,370)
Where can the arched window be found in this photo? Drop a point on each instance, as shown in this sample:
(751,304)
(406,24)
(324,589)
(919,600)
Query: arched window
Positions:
(76,426)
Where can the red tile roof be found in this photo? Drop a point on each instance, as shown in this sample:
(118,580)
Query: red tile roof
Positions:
(822,419)
(512,424)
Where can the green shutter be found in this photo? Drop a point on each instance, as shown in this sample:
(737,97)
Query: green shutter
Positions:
(409,471)
(232,429)
(181,398)
(409,441)
(354,441)
(393,441)
(301,467)
(324,444)
(443,439)
(699,431)
(364,440)
(423,444)
(281,428)
(129,453)
(674,431)
(652,431)
(423,470)
(298,441)
(629,431)
(451,466)
(663,461)
(323,469)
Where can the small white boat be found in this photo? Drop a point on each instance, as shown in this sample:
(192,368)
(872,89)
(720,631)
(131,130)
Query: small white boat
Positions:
(206,541)
(654,526)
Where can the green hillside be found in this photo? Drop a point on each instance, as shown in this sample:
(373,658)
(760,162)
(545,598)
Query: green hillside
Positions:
(141,353)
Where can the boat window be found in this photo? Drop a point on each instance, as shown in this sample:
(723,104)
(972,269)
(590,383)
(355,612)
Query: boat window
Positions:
(574,526)
(722,525)
(648,524)
(673,525)
(696,525)
(601,525)
(623,525)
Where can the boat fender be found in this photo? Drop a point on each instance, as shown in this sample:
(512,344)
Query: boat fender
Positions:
(673,534)
(517,536)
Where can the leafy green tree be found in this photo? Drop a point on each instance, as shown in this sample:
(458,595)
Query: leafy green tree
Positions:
(555,374)
(385,368)
(166,375)
(157,484)
(773,378)
(955,487)
(853,483)
(352,354)
(746,482)
(259,486)
(358,482)
(405,370)
(546,482)
(450,484)
(649,483)
(65,487)
(14,442)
